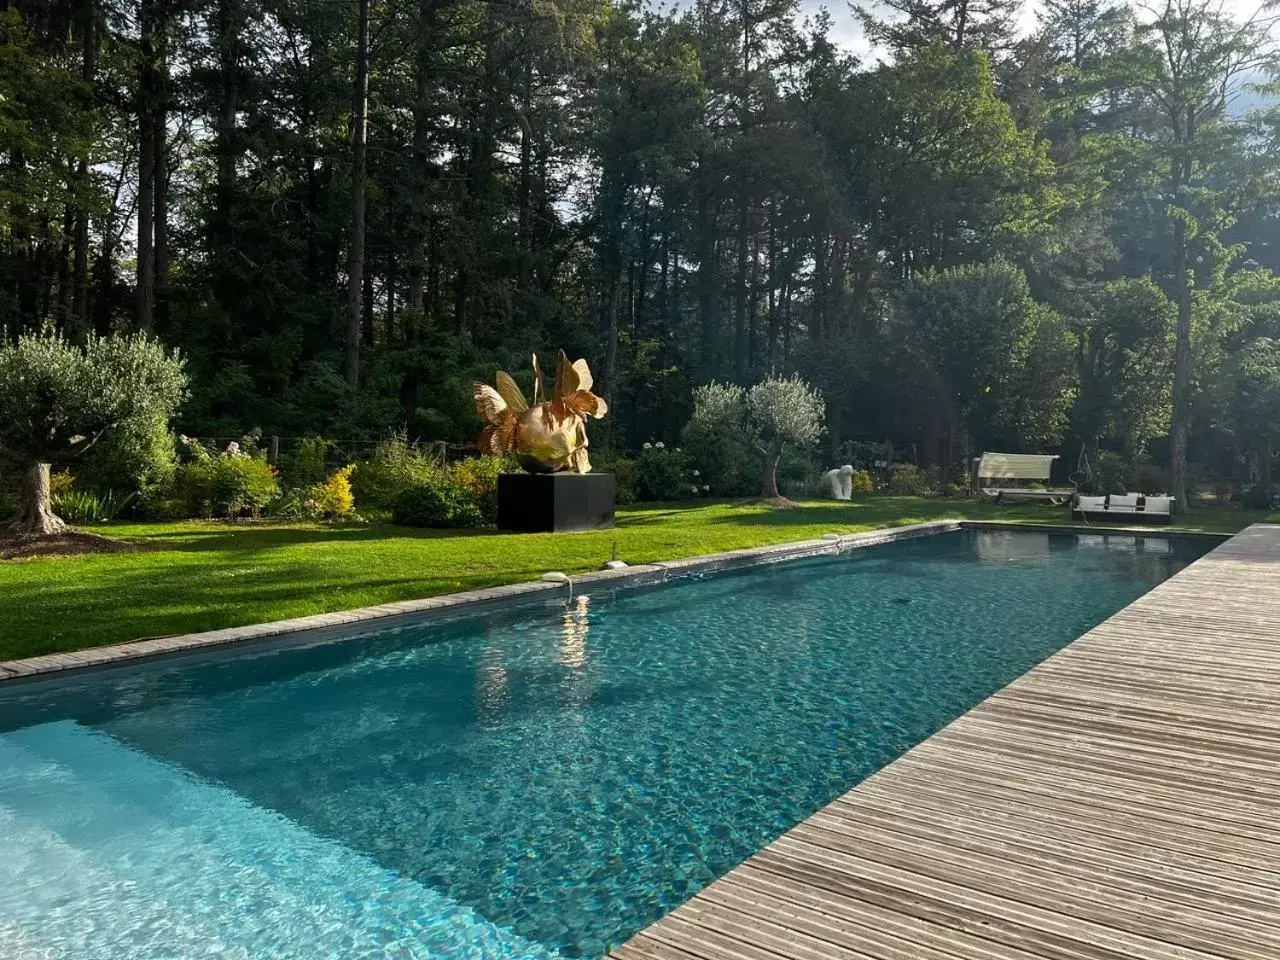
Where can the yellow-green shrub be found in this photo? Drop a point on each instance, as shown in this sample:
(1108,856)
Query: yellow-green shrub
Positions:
(335,498)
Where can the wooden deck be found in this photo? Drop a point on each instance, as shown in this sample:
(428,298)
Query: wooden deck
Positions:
(1119,802)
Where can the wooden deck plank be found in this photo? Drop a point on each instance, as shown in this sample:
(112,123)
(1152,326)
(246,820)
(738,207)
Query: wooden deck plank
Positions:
(1121,801)
(1064,837)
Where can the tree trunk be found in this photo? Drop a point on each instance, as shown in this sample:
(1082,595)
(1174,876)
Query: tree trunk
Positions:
(524,189)
(708,312)
(146,167)
(740,290)
(392,286)
(64,267)
(355,254)
(159,143)
(418,168)
(613,295)
(769,488)
(80,267)
(742,198)
(36,516)
(1182,355)
(222,230)
(366,310)
(1181,376)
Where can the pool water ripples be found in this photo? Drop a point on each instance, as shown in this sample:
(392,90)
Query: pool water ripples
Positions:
(533,782)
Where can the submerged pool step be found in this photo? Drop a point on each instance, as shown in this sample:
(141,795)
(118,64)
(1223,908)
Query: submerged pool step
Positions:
(104,845)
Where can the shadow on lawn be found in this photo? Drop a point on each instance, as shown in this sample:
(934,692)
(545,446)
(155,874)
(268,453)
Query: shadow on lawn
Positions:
(888,511)
(179,599)
(232,536)
(648,515)
(226,535)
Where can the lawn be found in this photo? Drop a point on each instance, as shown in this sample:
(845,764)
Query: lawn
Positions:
(206,575)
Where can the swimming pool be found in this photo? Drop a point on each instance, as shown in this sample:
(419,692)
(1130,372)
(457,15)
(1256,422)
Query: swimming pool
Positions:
(539,781)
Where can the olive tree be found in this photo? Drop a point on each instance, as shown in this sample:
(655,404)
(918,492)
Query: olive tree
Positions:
(765,418)
(58,399)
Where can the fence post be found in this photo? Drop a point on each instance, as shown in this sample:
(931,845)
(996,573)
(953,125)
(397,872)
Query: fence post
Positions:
(273,456)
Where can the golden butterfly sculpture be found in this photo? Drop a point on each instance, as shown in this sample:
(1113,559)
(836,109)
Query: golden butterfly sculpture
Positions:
(549,436)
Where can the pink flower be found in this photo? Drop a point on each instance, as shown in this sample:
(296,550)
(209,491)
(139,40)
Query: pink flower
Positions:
(233,448)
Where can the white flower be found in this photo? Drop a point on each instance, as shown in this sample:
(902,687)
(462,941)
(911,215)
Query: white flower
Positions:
(184,438)
(706,487)
(233,448)
(677,449)
(659,445)
(695,488)
(648,445)
(695,473)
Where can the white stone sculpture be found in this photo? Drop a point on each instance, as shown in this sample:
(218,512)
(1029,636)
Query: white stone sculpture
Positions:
(839,482)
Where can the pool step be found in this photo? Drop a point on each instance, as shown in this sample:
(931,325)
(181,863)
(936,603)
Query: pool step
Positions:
(109,853)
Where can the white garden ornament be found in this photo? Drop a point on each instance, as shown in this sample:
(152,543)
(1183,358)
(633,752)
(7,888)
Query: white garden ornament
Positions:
(839,482)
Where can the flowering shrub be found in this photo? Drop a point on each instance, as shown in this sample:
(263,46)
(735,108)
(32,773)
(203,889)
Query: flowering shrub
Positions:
(230,483)
(725,465)
(243,485)
(662,474)
(331,500)
(862,482)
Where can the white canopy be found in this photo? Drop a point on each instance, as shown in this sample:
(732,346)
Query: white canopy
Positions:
(1015,466)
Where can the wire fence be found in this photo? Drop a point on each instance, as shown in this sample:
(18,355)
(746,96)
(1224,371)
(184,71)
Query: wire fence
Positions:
(338,453)
(877,457)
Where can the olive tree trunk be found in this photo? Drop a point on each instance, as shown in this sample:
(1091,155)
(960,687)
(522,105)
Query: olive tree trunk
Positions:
(36,515)
(769,489)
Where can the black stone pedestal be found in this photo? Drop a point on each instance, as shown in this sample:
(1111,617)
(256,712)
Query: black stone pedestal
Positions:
(555,502)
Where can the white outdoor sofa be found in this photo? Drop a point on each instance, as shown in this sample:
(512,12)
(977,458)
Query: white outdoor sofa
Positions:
(1129,507)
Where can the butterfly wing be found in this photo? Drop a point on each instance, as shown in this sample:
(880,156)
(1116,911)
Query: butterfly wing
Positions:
(537,381)
(566,378)
(488,402)
(511,393)
(587,404)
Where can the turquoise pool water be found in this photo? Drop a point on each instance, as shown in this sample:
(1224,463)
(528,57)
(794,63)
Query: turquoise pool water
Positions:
(536,783)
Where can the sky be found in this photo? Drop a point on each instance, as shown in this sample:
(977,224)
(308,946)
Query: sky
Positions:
(848,32)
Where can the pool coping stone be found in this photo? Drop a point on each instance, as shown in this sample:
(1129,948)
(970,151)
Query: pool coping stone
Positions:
(426,609)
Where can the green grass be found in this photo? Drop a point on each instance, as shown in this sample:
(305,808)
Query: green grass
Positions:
(202,576)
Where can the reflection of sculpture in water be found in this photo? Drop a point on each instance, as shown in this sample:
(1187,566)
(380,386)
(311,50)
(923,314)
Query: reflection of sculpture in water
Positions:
(839,482)
(493,691)
(547,437)
(573,640)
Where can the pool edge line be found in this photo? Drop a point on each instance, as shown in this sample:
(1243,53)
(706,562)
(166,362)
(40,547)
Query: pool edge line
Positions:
(426,609)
